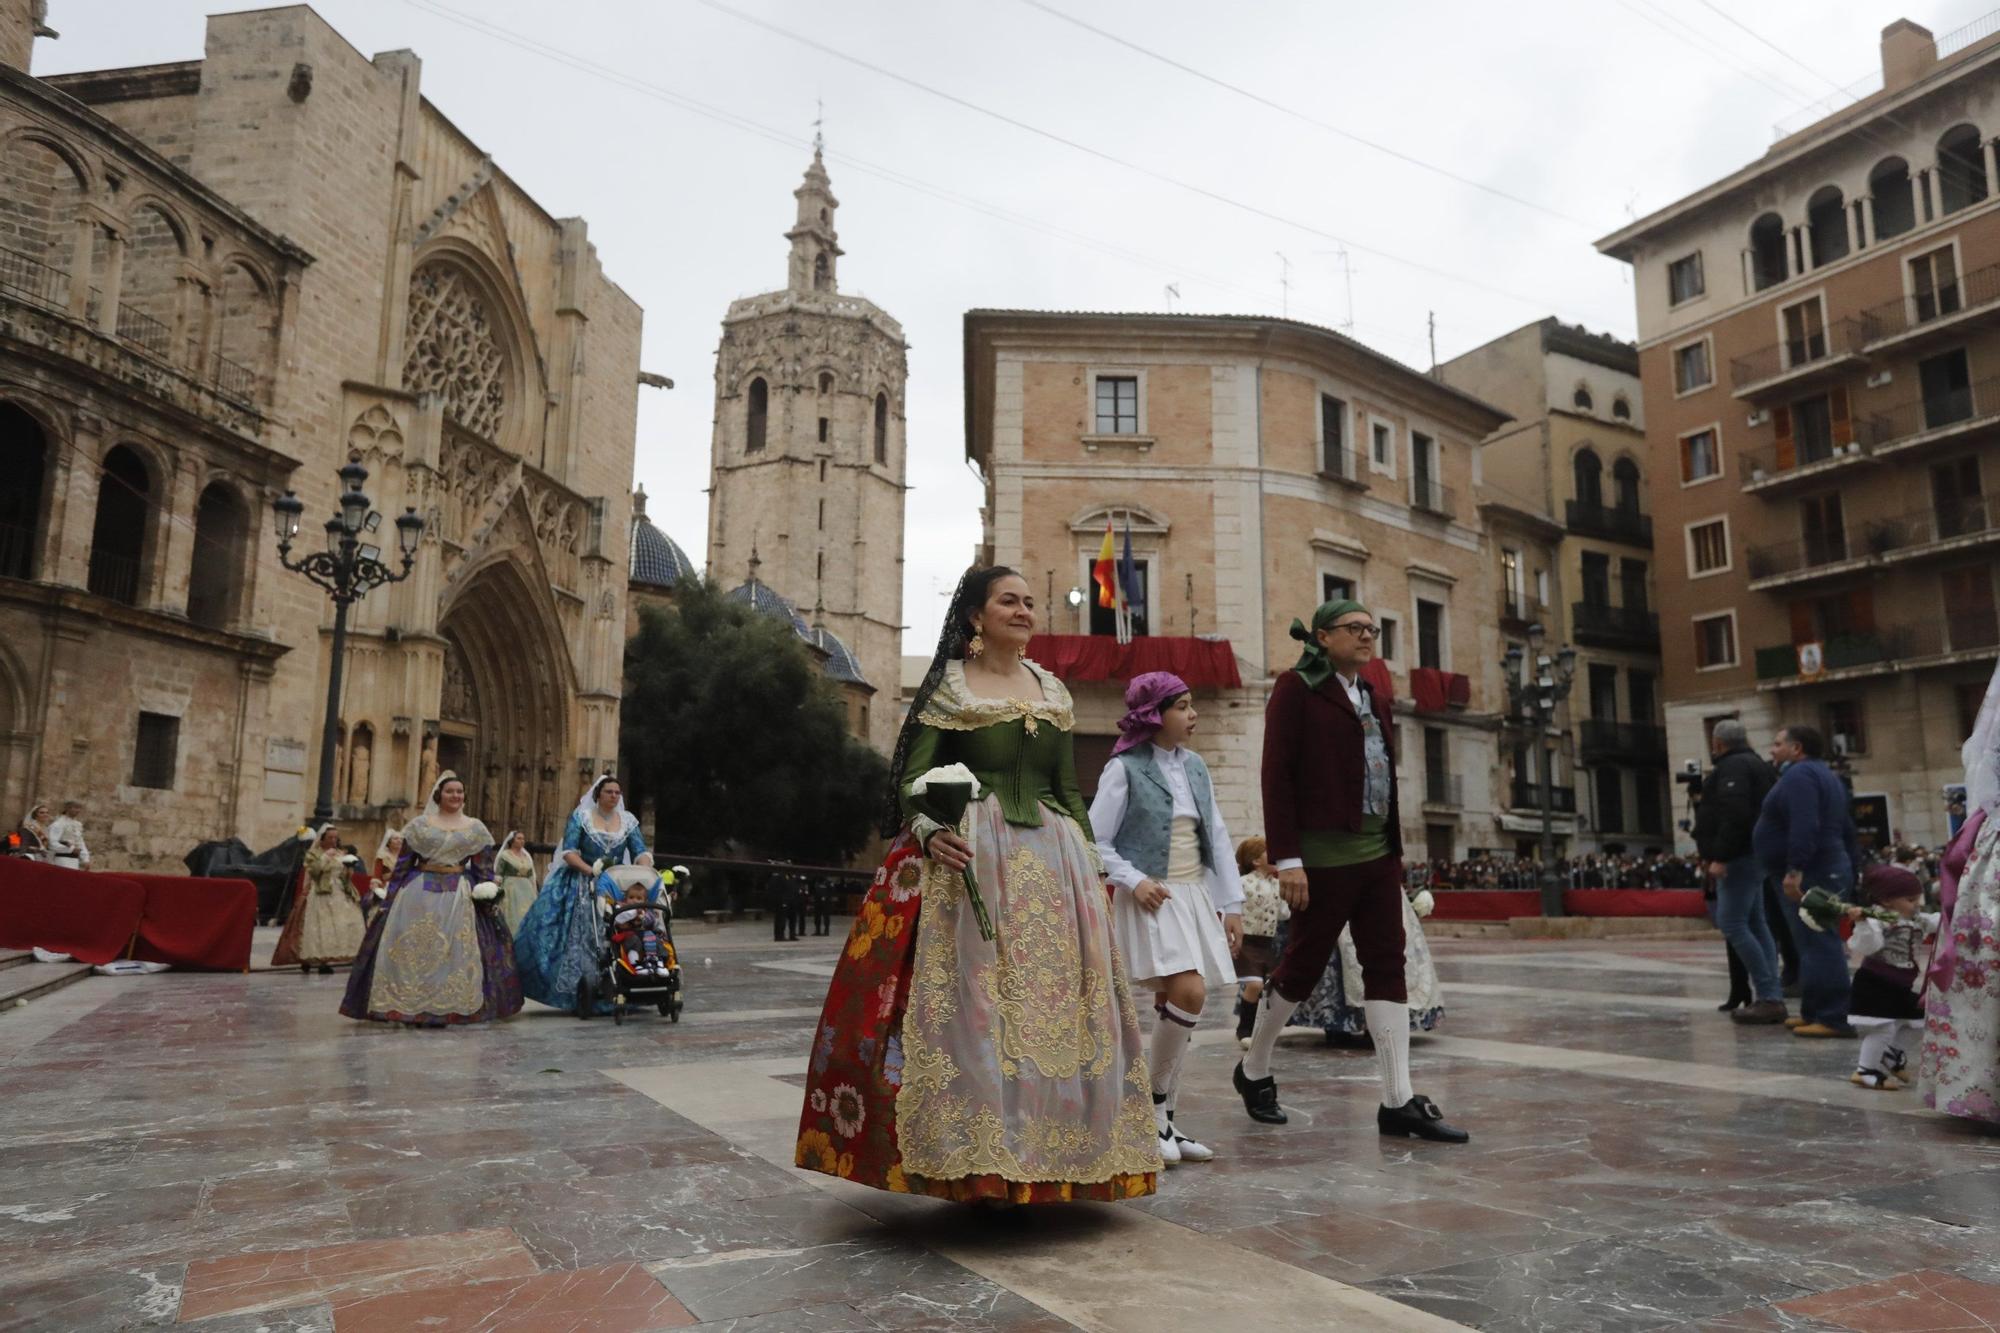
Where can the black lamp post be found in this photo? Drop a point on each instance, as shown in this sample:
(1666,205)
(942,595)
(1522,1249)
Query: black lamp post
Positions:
(1531,706)
(347,569)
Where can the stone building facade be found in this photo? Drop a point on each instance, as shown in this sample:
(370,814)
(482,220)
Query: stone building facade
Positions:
(1576,454)
(1815,335)
(809,455)
(1262,465)
(224,279)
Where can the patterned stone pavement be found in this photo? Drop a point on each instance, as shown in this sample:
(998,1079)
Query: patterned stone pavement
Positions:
(226,1152)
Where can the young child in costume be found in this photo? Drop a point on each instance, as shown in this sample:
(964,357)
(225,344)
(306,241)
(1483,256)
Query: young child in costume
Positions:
(1885,1005)
(1177,905)
(1263,909)
(635,931)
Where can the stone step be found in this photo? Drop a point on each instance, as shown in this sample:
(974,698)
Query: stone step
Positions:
(14,958)
(37,980)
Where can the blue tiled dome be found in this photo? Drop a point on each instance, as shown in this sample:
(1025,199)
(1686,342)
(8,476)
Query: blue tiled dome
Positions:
(657,559)
(760,597)
(840,663)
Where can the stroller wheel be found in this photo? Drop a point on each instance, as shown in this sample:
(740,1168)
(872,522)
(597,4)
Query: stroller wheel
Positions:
(583,999)
(618,1013)
(666,1009)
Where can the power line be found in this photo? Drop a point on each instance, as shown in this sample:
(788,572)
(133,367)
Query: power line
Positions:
(1164,178)
(1298,115)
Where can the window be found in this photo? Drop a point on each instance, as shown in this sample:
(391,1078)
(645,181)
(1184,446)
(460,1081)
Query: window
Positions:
(23,454)
(1103,620)
(1826,225)
(1934,284)
(1385,647)
(1691,367)
(1625,486)
(1333,437)
(1708,547)
(822,469)
(1684,279)
(1715,641)
(1823,528)
(1581,398)
(1541,587)
(1621,408)
(1632,583)
(1596,578)
(822,515)
(1117,404)
(1646,797)
(1841,721)
(881,428)
(824,426)
(1805,332)
(1589,473)
(1437,766)
(1603,692)
(1701,457)
(1812,429)
(1945,381)
(1640,692)
(1334,588)
(118,534)
(1430,634)
(821,273)
(826,381)
(1610,799)
(1426,492)
(1961,168)
(1895,205)
(155,751)
(1382,446)
(1957,502)
(759,412)
(1768,262)
(1510,579)
(221,538)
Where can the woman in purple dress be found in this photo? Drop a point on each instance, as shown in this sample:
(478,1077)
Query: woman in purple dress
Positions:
(438,953)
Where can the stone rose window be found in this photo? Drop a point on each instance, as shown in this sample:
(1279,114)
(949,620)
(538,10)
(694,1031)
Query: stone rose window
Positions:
(455,353)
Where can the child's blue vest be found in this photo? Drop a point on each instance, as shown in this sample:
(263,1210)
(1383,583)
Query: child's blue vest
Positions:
(1144,835)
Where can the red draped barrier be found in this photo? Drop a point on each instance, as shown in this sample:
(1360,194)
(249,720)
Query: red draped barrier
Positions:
(88,916)
(197,923)
(1202,663)
(1500,904)
(1485,904)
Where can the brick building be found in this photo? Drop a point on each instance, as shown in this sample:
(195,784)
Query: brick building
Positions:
(1819,338)
(218,280)
(1261,466)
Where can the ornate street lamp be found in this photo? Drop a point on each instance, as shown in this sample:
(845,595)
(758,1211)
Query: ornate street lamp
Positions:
(1531,707)
(347,569)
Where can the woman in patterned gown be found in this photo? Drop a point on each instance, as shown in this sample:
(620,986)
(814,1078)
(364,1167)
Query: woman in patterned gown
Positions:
(516,869)
(326,923)
(1958,1070)
(1009,1070)
(562,941)
(433,956)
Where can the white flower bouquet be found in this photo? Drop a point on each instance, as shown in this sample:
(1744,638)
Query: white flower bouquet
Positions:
(943,794)
(1423,904)
(485,891)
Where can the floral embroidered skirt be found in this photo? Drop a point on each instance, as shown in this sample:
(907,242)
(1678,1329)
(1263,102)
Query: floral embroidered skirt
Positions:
(1335,1006)
(954,1067)
(434,958)
(1958,1071)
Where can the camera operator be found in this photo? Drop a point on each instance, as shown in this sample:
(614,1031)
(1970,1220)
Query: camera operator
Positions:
(1731,798)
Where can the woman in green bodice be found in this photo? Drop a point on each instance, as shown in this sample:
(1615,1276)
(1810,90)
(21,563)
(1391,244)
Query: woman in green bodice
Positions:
(1003,1070)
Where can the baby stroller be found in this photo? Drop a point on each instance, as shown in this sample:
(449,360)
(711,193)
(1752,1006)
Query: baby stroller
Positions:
(640,964)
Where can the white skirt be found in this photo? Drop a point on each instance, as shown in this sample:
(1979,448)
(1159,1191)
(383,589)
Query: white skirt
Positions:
(1184,935)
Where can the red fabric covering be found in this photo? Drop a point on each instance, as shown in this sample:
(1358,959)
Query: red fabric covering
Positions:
(1500,904)
(1485,904)
(1202,663)
(1458,690)
(197,923)
(1431,689)
(89,916)
(1375,675)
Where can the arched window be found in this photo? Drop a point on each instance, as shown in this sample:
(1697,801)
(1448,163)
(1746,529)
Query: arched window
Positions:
(1589,479)
(118,537)
(221,529)
(44,193)
(881,427)
(24,450)
(1581,398)
(826,381)
(819,272)
(759,415)
(150,283)
(1961,168)
(456,353)
(1826,221)
(1625,485)
(1621,407)
(246,337)
(1767,252)
(1895,205)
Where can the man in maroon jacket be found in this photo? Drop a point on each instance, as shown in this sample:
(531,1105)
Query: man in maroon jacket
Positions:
(1331,820)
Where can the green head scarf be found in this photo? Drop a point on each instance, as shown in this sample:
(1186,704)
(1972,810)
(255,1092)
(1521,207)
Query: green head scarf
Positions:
(1313,665)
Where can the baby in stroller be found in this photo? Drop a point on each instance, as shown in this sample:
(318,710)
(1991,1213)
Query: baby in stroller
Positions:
(638,933)
(641,965)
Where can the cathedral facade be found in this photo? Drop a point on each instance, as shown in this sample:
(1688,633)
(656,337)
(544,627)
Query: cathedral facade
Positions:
(222,279)
(808,457)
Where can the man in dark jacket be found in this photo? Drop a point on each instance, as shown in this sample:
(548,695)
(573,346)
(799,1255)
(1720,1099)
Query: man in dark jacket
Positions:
(1732,798)
(1805,837)
(1331,821)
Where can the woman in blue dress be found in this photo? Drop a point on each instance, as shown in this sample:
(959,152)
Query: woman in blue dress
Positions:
(561,942)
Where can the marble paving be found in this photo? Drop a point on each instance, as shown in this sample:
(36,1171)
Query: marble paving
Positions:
(227,1153)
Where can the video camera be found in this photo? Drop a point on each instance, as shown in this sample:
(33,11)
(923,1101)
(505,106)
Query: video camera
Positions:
(1690,777)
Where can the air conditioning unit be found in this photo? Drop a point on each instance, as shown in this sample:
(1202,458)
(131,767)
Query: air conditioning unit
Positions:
(1757,418)
(1880,378)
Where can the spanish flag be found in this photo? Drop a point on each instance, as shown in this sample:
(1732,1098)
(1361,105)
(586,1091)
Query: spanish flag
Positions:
(1105,573)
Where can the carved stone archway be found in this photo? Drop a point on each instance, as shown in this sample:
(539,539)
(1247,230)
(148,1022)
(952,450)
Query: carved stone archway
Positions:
(507,705)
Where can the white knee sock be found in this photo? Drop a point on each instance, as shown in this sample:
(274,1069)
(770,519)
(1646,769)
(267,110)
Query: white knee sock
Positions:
(1389,1026)
(1876,1038)
(1272,1013)
(1172,1030)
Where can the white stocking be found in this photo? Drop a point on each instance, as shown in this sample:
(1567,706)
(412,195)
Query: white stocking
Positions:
(1389,1026)
(1272,1013)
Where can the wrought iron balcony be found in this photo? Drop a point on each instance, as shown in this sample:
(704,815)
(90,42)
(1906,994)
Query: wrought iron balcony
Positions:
(1951,418)
(1942,529)
(1429,496)
(1637,741)
(1871,653)
(1348,467)
(1770,469)
(1971,298)
(1791,363)
(1596,624)
(1528,796)
(1609,522)
(1444,790)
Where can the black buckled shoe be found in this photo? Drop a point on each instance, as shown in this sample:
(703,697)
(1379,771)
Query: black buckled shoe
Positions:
(1260,1097)
(1418,1118)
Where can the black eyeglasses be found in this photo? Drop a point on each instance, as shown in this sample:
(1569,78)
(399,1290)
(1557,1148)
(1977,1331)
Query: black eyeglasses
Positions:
(1360,629)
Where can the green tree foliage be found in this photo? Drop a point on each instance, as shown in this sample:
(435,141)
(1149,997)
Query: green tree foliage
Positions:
(731,734)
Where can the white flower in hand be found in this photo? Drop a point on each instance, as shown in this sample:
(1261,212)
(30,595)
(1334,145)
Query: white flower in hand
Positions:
(1423,904)
(947,775)
(485,891)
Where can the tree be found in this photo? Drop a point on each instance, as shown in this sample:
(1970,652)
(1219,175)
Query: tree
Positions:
(732,734)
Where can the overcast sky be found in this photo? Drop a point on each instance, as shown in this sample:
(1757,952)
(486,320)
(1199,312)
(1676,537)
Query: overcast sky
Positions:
(679,128)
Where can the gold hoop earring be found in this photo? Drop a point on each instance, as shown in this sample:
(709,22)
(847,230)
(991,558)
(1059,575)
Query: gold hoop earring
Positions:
(1022,654)
(976,646)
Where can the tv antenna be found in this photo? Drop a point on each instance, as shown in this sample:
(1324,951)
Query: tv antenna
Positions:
(1285,282)
(1173,295)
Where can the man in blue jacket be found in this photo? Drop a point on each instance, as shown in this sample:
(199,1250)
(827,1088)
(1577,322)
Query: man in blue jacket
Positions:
(1805,837)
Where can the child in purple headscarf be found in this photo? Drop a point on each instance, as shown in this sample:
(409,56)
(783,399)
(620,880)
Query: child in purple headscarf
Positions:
(1177,902)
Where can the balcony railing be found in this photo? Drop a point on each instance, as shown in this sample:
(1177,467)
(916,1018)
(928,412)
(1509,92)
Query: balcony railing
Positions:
(115,576)
(1346,466)
(140,329)
(1521,607)
(237,381)
(1528,796)
(1974,293)
(1791,359)
(29,279)
(1429,496)
(1444,789)
(1765,467)
(1842,652)
(1614,626)
(1610,522)
(1634,740)
(1935,525)
(1960,631)
(1797,557)
(1950,415)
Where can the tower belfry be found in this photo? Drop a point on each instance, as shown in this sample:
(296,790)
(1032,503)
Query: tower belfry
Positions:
(808,459)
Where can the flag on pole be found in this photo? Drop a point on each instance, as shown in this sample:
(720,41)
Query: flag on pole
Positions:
(1134,585)
(1103,574)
